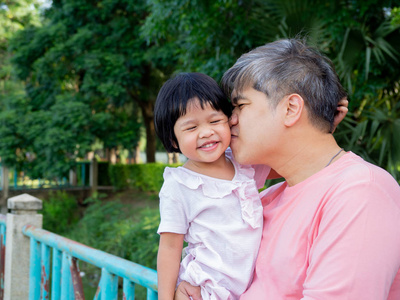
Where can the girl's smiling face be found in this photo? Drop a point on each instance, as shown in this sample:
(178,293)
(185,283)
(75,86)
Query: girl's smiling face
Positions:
(203,133)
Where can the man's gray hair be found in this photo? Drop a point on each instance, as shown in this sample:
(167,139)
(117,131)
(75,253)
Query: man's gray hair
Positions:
(289,66)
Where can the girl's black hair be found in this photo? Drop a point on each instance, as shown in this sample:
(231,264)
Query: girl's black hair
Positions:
(174,97)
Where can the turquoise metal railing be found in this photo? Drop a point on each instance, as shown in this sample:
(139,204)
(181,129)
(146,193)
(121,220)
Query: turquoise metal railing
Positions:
(3,223)
(65,280)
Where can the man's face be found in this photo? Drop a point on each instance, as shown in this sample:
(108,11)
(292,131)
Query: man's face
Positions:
(254,127)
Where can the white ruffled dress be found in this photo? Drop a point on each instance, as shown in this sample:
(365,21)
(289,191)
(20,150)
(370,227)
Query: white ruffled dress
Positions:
(222,224)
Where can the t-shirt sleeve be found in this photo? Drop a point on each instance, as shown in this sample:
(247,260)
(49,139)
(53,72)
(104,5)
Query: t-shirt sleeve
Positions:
(261,174)
(356,252)
(173,215)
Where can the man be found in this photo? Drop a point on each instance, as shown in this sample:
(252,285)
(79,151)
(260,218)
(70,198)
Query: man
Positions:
(332,229)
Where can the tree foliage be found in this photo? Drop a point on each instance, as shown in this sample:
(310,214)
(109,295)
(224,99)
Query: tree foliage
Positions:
(88,77)
(361,37)
(93,67)
(14,16)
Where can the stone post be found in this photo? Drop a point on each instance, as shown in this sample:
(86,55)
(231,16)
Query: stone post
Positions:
(94,174)
(23,211)
(72,177)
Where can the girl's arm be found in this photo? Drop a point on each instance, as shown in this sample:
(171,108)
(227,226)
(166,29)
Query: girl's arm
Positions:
(168,261)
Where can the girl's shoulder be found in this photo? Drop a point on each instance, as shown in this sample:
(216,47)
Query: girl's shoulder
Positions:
(181,178)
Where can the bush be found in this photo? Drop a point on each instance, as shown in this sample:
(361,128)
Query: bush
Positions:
(127,233)
(60,211)
(103,175)
(145,177)
(140,242)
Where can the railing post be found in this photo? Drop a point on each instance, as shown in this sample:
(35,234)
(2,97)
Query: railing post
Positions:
(23,211)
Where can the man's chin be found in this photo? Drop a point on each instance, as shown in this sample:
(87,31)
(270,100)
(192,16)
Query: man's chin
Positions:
(237,154)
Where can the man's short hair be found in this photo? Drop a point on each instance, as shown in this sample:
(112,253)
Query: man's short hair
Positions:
(290,66)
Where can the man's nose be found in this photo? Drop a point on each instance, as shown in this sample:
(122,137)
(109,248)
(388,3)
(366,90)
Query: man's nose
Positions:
(233,120)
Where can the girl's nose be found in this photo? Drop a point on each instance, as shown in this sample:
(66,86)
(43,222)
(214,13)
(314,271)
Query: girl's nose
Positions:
(206,132)
(233,120)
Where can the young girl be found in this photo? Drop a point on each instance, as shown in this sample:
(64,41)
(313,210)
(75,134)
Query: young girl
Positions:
(211,202)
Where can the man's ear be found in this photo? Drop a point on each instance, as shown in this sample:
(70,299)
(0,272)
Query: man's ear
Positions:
(294,105)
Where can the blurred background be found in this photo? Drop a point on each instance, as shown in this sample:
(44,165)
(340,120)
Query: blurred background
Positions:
(78,78)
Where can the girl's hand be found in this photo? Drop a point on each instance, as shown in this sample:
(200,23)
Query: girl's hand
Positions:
(186,291)
(342,112)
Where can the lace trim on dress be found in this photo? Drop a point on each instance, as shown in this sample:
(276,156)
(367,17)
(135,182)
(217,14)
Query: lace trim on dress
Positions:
(242,185)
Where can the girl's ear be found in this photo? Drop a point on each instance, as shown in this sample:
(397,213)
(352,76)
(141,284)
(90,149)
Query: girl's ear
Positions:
(294,105)
(174,144)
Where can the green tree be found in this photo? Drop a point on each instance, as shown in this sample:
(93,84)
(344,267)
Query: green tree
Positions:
(14,16)
(91,74)
(396,16)
(361,37)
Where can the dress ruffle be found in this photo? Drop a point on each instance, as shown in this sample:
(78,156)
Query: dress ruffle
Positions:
(194,274)
(243,185)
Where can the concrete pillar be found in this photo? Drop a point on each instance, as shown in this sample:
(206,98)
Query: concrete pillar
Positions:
(94,174)
(23,211)
(173,158)
(72,177)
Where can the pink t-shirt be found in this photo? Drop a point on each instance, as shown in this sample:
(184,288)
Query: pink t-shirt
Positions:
(335,235)
(222,223)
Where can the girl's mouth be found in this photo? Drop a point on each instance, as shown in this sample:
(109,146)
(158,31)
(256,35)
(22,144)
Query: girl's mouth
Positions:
(208,145)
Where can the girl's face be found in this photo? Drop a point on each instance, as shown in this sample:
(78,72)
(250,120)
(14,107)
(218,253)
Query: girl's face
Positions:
(203,134)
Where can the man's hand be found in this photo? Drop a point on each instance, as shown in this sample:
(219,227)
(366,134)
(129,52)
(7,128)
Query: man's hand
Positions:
(187,291)
(342,112)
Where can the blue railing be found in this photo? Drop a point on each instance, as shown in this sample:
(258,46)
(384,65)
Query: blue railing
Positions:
(3,223)
(65,280)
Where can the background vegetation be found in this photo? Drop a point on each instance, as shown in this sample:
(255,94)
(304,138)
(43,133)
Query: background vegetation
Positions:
(124,225)
(78,76)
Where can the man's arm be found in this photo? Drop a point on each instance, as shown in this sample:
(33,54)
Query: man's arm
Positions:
(168,261)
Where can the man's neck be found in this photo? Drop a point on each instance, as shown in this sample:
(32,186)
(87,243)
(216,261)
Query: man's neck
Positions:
(306,156)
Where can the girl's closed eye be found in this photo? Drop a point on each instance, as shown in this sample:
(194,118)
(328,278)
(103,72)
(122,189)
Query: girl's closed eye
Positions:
(190,128)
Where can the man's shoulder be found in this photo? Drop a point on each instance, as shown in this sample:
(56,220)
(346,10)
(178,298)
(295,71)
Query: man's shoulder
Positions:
(353,168)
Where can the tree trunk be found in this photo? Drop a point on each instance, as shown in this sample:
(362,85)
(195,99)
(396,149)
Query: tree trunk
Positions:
(147,109)
(136,154)
(113,156)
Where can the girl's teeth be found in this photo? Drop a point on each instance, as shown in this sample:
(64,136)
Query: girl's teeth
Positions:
(208,145)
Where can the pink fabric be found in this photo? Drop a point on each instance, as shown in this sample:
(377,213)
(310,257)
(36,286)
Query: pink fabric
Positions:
(222,223)
(335,236)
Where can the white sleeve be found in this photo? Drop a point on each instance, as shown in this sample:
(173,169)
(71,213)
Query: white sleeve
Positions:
(173,215)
